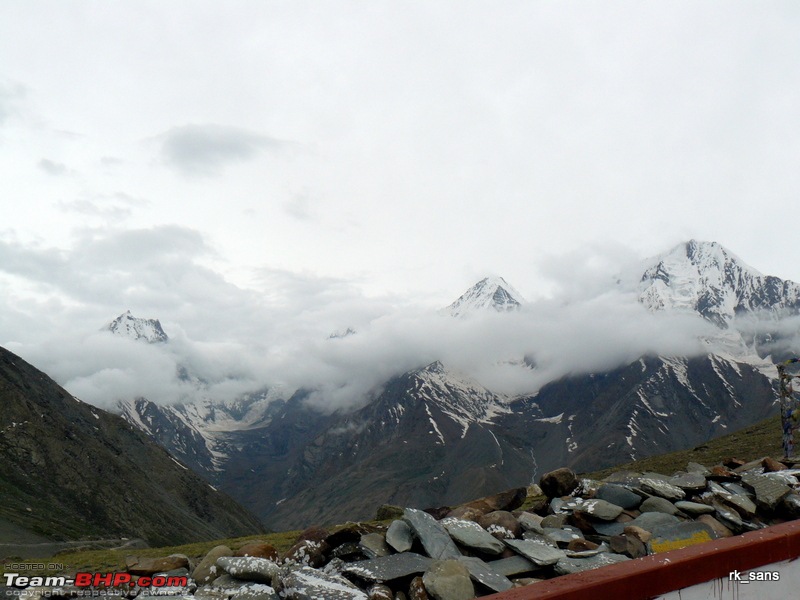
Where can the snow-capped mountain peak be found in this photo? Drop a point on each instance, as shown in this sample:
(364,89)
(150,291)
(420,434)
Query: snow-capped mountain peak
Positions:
(491,292)
(709,279)
(148,330)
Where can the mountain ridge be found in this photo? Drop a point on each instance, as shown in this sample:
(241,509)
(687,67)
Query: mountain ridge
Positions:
(71,470)
(469,440)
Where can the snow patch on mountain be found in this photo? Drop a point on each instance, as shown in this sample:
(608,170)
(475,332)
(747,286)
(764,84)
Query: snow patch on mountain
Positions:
(458,396)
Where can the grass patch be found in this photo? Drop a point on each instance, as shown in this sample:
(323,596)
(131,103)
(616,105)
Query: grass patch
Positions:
(756,441)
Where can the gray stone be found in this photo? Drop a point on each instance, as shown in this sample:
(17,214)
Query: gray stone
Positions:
(785,477)
(565,566)
(661,488)
(207,570)
(540,538)
(650,521)
(743,505)
(791,504)
(694,508)
(753,465)
(689,482)
(728,516)
(654,475)
(647,521)
(391,567)
(530,522)
(624,477)
(674,537)
(694,467)
(735,488)
(399,536)
(539,553)
(348,550)
(432,534)
(656,504)
(449,580)
(768,491)
(250,568)
(484,574)
(472,535)
(564,535)
(513,565)
(222,588)
(586,553)
(619,495)
(600,509)
(554,521)
(312,584)
(374,545)
(335,566)
(254,591)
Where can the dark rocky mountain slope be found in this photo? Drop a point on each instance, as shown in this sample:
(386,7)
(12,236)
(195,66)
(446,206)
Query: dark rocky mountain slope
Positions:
(72,471)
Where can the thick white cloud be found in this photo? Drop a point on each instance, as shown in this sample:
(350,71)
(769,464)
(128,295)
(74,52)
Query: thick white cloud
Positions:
(231,340)
(431,144)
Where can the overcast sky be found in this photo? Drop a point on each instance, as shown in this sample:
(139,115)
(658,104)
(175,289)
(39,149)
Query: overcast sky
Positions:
(244,170)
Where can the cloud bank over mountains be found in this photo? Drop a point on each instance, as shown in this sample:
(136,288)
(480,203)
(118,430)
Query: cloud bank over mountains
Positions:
(227,339)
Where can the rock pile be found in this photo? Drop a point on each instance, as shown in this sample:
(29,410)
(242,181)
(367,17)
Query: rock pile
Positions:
(564,525)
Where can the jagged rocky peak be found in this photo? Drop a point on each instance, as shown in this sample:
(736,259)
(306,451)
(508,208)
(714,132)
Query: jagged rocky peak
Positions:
(489,293)
(709,279)
(148,330)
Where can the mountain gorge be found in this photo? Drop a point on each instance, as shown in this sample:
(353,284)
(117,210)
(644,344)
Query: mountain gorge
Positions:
(434,435)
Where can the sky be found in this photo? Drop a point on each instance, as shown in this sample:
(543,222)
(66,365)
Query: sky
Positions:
(257,173)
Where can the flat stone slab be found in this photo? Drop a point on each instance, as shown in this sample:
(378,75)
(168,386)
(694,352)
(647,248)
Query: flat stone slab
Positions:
(565,566)
(399,536)
(541,538)
(728,516)
(658,504)
(254,591)
(679,536)
(483,573)
(432,534)
(599,509)
(742,504)
(448,580)
(312,584)
(661,488)
(531,522)
(539,553)
(689,482)
(619,495)
(694,467)
(624,477)
(374,545)
(647,521)
(472,535)
(513,565)
(390,567)
(250,568)
(563,535)
(769,492)
(694,508)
